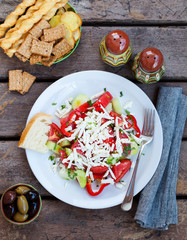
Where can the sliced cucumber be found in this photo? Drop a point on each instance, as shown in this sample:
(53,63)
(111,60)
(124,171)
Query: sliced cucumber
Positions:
(65,143)
(134,147)
(67,174)
(79,100)
(63,172)
(112,161)
(54,147)
(81,177)
(68,151)
(117,106)
(109,107)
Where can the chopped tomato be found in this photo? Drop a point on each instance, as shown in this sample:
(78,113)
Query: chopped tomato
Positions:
(99,169)
(62,154)
(104,100)
(55,133)
(76,145)
(121,169)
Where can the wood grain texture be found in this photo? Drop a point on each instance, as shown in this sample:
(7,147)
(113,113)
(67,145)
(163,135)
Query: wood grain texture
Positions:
(87,55)
(124,11)
(14,108)
(59,221)
(15,168)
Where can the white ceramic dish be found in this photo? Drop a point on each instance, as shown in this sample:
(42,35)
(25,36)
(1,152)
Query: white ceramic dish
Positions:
(90,83)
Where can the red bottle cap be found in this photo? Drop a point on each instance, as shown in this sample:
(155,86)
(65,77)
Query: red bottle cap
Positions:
(117,42)
(151,59)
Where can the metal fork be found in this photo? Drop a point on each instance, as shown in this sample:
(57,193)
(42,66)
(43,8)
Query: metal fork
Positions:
(147,136)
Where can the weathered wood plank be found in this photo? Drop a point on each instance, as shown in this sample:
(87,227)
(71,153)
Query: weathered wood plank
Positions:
(12,122)
(58,220)
(125,11)
(87,54)
(15,168)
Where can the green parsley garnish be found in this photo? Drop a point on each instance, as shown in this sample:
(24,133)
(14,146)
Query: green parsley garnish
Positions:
(105,89)
(89,102)
(121,131)
(112,125)
(70,103)
(54,103)
(67,123)
(55,146)
(128,114)
(121,94)
(71,174)
(51,158)
(127,149)
(62,107)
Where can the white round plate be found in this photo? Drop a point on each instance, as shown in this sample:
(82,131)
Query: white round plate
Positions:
(90,83)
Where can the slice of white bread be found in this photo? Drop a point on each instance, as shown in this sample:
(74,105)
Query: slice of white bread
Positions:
(35,134)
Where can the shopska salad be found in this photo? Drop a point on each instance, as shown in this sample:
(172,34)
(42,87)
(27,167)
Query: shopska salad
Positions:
(94,142)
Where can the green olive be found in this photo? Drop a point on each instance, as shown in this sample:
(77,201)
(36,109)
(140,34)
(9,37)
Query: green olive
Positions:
(18,217)
(22,204)
(21,190)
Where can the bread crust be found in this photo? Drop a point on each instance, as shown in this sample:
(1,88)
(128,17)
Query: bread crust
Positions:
(29,125)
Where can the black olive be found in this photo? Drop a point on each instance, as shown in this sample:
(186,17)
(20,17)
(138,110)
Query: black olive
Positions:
(9,197)
(10,210)
(33,208)
(32,195)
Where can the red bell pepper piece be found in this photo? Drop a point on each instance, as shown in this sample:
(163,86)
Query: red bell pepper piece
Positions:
(91,192)
(104,100)
(121,169)
(83,108)
(63,129)
(134,124)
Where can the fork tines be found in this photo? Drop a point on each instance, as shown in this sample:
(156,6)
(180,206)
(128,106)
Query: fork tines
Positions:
(148,127)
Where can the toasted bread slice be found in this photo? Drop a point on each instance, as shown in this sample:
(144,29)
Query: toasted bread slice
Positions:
(35,134)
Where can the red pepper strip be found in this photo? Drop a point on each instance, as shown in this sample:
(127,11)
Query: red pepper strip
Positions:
(104,100)
(71,115)
(82,108)
(134,124)
(89,188)
(63,126)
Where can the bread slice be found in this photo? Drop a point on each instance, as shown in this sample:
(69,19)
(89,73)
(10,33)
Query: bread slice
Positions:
(35,134)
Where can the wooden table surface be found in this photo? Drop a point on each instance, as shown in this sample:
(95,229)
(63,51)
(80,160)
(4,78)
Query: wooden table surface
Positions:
(155,23)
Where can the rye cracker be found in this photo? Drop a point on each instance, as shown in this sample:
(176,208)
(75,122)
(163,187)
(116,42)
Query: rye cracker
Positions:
(28,80)
(35,58)
(61,48)
(37,30)
(51,60)
(21,57)
(15,80)
(41,48)
(54,33)
(25,48)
